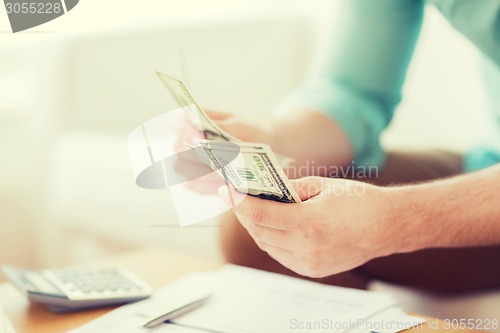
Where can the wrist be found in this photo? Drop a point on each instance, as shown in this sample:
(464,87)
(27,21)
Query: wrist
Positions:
(277,131)
(407,219)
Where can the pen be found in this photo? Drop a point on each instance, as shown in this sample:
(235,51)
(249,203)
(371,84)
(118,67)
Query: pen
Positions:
(176,311)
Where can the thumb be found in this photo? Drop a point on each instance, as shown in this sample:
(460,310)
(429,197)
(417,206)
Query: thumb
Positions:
(308,187)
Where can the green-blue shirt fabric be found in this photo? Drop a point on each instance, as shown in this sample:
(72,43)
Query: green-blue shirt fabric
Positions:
(357,78)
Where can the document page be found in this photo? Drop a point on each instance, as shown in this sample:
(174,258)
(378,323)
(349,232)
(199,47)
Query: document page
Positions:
(246,300)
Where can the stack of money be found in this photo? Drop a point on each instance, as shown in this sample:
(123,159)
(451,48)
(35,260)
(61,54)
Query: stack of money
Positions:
(250,168)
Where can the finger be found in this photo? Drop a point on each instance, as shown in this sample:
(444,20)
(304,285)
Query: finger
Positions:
(284,257)
(283,262)
(208,184)
(235,127)
(231,197)
(190,166)
(186,154)
(276,237)
(267,213)
(189,135)
(184,127)
(179,172)
(308,187)
(217,115)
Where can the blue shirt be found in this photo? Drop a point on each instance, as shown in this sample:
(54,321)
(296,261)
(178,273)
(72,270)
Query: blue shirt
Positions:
(357,79)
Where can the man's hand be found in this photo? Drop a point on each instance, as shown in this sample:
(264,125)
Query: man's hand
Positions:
(300,135)
(247,131)
(340,225)
(201,178)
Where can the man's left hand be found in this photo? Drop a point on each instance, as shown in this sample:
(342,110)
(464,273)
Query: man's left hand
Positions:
(340,225)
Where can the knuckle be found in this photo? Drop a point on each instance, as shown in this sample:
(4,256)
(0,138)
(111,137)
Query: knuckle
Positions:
(313,269)
(257,215)
(313,252)
(316,231)
(254,232)
(301,271)
(313,230)
(263,246)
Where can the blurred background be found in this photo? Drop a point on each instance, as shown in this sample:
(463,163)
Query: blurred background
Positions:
(73,89)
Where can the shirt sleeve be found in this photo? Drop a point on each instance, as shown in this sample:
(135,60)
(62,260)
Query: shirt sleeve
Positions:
(357,77)
(478,21)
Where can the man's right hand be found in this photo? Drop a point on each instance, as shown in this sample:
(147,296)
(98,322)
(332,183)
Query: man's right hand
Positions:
(309,137)
(243,130)
(201,178)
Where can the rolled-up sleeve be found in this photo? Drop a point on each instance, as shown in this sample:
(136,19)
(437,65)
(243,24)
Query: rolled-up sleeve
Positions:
(357,77)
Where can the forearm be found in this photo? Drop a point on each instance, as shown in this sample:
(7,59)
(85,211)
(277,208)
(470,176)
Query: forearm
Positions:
(456,212)
(311,138)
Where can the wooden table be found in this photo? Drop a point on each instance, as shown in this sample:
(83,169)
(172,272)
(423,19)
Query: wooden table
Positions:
(157,266)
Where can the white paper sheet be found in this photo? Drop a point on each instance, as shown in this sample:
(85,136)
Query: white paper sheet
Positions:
(130,318)
(249,301)
(5,324)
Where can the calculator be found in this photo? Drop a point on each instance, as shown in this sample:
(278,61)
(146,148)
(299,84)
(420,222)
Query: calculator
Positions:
(71,289)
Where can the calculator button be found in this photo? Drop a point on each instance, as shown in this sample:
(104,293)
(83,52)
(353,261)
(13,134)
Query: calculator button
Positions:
(98,284)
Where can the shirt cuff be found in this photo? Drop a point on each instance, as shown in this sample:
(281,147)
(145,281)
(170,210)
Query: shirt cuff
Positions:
(480,157)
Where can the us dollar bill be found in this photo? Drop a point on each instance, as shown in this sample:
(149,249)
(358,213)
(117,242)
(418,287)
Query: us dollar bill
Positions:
(184,99)
(250,168)
(210,130)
